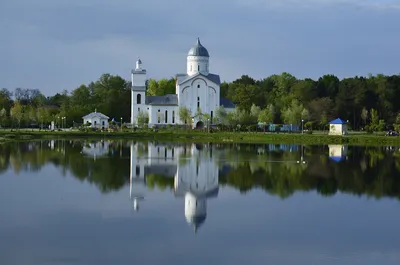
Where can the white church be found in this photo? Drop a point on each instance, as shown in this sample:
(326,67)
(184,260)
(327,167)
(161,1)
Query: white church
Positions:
(196,89)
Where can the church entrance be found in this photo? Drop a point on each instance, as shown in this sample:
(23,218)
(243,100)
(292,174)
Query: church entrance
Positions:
(199,125)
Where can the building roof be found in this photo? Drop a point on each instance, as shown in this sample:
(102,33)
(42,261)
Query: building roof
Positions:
(336,158)
(198,50)
(337,121)
(95,114)
(170,99)
(226,103)
(182,78)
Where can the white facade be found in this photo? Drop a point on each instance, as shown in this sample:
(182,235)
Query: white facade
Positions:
(337,129)
(97,120)
(197,89)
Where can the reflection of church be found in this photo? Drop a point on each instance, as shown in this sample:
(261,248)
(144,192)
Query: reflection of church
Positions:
(194,172)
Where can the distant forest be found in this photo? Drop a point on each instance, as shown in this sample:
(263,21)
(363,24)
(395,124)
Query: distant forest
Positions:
(366,102)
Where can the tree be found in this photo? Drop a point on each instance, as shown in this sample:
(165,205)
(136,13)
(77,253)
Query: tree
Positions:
(364,115)
(221,116)
(185,116)
(43,116)
(396,125)
(3,117)
(323,122)
(292,114)
(305,115)
(254,112)
(267,114)
(142,118)
(17,113)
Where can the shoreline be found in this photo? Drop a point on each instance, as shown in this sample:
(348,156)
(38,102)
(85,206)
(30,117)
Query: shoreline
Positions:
(219,137)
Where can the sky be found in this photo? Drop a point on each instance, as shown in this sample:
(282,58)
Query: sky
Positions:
(53,45)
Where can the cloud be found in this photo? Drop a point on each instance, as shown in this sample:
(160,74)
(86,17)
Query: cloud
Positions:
(59,44)
(370,4)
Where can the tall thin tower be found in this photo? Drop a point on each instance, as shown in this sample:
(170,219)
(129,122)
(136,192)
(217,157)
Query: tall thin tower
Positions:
(138,77)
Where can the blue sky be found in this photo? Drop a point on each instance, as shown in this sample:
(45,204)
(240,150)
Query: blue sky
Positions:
(59,44)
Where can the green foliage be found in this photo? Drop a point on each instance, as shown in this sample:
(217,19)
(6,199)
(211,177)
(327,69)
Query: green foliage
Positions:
(267,115)
(185,116)
(143,118)
(396,125)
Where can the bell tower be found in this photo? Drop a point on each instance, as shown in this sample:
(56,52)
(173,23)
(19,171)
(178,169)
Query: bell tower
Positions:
(138,99)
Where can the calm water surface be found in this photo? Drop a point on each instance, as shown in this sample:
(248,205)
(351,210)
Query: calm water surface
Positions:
(119,202)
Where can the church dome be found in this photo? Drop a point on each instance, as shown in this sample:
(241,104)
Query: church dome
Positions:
(196,221)
(198,50)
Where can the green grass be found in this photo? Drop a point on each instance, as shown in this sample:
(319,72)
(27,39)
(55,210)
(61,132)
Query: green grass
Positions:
(317,138)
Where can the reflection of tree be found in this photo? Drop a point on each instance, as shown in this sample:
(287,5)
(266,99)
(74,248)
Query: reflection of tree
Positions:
(368,171)
(159,181)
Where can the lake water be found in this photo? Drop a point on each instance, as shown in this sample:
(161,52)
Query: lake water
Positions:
(124,202)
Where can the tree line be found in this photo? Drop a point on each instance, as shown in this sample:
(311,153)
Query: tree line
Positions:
(367,103)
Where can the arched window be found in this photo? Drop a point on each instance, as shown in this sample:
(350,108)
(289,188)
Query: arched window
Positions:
(166,116)
(198,68)
(139,99)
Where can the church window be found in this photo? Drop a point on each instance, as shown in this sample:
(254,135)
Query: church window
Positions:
(198,68)
(172,152)
(198,104)
(198,86)
(212,115)
(138,109)
(137,171)
(173,116)
(165,154)
(190,67)
(166,116)
(139,99)
(159,116)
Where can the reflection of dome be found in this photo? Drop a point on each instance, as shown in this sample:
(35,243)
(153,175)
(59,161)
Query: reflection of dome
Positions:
(198,50)
(196,221)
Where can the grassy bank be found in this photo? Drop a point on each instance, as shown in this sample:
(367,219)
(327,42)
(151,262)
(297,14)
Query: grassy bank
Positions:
(193,136)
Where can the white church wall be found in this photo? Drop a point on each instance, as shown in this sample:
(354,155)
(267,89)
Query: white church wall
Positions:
(199,92)
(163,115)
(138,79)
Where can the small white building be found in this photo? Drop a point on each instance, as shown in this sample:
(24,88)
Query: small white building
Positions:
(96,120)
(338,127)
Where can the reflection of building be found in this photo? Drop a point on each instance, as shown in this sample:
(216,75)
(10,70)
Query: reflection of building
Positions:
(337,152)
(96,149)
(192,167)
